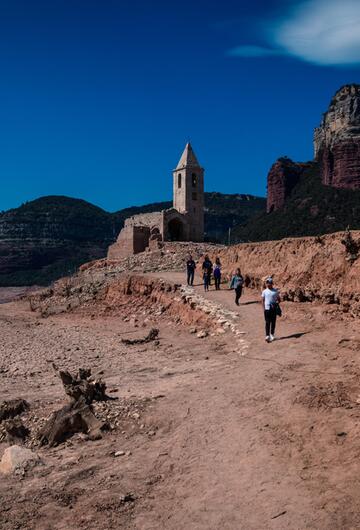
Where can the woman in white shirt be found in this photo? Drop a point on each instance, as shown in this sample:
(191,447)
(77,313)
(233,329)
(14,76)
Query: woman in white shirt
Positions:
(270,299)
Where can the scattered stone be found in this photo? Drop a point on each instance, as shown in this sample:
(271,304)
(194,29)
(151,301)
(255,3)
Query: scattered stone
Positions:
(16,432)
(128,497)
(12,408)
(202,334)
(17,460)
(119,453)
(193,330)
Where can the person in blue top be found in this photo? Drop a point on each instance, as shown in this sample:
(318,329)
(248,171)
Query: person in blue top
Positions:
(237,283)
(217,274)
(270,299)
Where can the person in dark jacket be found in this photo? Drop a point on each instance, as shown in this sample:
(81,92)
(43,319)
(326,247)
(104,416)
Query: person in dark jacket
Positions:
(237,283)
(217,273)
(207,268)
(190,269)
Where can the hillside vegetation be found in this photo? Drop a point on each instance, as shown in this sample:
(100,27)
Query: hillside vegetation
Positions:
(50,237)
(312,209)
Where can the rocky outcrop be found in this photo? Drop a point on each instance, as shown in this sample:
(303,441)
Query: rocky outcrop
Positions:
(282,178)
(337,140)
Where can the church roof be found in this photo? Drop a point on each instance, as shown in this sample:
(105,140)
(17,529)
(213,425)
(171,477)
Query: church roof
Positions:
(188,158)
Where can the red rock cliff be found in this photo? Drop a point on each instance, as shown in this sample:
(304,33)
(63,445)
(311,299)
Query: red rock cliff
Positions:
(337,140)
(282,178)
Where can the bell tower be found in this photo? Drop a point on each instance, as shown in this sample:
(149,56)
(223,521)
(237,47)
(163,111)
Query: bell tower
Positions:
(188,192)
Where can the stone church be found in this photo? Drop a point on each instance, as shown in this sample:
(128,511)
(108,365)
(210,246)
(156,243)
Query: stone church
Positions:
(183,222)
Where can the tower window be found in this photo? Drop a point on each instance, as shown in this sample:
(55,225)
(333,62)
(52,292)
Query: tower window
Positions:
(194,180)
(179,180)
(194,196)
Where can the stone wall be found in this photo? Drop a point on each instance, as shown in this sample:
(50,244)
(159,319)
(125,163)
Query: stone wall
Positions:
(153,219)
(131,240)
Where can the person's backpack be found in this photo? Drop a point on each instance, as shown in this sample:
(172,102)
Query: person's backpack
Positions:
(276,307)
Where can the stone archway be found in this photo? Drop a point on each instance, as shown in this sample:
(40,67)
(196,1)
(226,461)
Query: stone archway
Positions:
(176,230)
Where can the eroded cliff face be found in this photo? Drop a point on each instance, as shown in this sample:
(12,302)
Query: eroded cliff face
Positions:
(337,140)
(282,178)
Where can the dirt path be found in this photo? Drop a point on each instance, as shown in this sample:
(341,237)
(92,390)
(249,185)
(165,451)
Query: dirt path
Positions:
(258,441)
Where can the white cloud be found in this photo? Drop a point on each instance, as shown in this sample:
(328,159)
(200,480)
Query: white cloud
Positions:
(324,32)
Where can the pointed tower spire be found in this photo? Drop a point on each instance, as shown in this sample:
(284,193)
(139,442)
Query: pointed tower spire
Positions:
(188,158)
(188,193)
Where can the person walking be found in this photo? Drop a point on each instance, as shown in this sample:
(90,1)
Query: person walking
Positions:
(207,268)
(270,299)
(217,274)
(237,283)
(190,269)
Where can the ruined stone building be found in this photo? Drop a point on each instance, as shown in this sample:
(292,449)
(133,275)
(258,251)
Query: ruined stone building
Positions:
(183,222)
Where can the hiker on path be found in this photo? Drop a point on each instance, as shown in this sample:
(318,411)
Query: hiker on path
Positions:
(190,269)
(270,299)
(217,274)
(207,268)
(237,283)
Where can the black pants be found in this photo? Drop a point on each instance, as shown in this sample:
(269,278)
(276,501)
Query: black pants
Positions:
(217,282)
(190,277)
(206,281)
(238,293)
(270,321)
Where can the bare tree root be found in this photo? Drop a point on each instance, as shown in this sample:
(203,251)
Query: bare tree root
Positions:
(152,335)
(78,415)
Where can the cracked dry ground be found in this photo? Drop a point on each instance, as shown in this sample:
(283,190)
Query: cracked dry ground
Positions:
(218,440)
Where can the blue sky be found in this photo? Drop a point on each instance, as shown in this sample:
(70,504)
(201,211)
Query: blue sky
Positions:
(97,99)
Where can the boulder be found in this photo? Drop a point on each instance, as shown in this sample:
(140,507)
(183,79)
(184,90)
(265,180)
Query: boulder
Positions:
(17,460)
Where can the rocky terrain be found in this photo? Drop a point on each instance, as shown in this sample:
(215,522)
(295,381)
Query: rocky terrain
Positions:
(324,269)
(51,236)
(203,425)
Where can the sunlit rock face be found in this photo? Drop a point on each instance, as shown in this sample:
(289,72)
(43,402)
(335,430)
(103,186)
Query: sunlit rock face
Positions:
(282,178)
(337,140)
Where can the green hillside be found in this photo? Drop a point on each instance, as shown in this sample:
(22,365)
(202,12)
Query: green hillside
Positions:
(311,209)
(50,237)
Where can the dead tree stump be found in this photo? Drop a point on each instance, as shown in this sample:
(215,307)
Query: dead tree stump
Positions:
(78,415)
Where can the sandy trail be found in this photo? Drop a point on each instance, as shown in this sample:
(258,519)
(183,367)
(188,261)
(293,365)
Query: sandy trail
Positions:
(246,442)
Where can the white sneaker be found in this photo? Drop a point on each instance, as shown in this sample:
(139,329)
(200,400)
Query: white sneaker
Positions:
(272,337)
(267,338)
